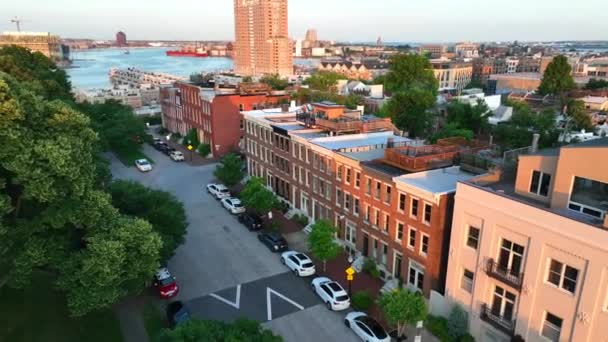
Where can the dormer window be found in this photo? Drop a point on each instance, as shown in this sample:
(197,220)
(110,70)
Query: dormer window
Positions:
(540,183)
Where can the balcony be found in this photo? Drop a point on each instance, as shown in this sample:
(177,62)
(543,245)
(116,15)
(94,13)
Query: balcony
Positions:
(505,275)
(498,322)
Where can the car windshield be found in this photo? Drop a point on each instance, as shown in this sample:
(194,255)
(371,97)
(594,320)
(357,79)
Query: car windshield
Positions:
(335,287)
(238,205)
(143,162)
(374,326)
(166,281)
(308,265)
(342,298)
(222,190)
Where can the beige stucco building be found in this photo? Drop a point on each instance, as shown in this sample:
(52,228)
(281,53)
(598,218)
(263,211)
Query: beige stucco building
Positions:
(529,252)
(452,75)
(43,42)
(262,45)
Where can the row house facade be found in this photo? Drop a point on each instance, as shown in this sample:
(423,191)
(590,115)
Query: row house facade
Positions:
(399,218)
(529,252)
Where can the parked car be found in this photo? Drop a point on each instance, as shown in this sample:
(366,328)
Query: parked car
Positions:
(274,241)
(177,313)
(367,328)
(233,205)
(143,165)
(251,221)
(299,263)
(331,293)
(218,191)
(167,150)
(166,283)
(176,156)
(159,145)
(156,140)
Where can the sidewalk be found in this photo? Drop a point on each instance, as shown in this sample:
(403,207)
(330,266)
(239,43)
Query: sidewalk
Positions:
(191,158)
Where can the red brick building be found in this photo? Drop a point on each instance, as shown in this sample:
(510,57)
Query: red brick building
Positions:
(213,112)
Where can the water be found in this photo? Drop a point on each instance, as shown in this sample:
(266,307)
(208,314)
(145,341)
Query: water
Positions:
(91,67)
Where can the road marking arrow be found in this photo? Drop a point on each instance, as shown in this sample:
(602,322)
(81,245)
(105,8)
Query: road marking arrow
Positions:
(237,302)
(270,292)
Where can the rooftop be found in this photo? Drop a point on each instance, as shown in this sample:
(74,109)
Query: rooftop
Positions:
(435,182)
(595,99)
(351,142)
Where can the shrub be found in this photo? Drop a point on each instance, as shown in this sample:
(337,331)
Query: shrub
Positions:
(458,322)
(204,149)
(361,300)
(466,338)
(438,326)
(370,267)
(275,226)
(301,219)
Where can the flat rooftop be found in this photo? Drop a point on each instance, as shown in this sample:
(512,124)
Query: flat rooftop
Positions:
(436,182)
(354,141)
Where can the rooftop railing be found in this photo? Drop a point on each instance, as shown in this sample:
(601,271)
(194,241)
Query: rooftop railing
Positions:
(507,276)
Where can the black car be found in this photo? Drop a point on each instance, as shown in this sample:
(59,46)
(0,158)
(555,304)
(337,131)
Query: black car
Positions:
(251,221)
(159,145)
(167,149)
(274,241)
(177,313)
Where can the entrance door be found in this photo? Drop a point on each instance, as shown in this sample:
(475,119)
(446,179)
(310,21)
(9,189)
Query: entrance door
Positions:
(365,245)
(397,266)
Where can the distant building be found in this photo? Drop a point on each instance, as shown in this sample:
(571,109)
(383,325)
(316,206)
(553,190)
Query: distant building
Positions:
(43,42)
(467,50)
(121,39)
(262,45)
(435,50)
(365,70)
(514,83)
(311,35)
(452,75)
(595,102)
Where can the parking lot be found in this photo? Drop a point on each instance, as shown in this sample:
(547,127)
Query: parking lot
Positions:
(221,259)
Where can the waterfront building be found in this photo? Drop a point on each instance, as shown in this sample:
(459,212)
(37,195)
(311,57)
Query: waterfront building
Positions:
(311,36)
(43,42)
(365,70)
(121,39)
(529,247)
(262,45)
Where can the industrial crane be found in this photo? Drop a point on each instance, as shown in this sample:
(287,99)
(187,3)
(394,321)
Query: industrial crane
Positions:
(17,22)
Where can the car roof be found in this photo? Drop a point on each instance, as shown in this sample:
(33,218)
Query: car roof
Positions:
(302,256)
(373,325)
(220,186)
(335,287)
(142,160)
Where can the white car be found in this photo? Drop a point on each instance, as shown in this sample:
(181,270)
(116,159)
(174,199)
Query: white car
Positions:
(299,263)
(143,165)
(331,293)
(366,327)
(218,191)
(233,205)
(176,156)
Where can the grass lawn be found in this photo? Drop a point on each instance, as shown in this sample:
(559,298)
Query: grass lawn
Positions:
(39,313)
(128,158)
(153,321)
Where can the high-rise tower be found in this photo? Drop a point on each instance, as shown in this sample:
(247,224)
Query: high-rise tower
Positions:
(262,45)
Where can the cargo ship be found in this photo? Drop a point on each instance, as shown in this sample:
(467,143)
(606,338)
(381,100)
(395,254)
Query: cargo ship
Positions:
(188,52)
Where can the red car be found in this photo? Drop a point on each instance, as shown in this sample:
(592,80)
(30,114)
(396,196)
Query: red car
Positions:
(166,284)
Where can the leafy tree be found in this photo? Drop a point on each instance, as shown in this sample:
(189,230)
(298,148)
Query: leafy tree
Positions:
(578,116)
(407,71)
(351,101)
(216,331)
(402,307)
(595,83)
(275,82)
(452,130)
(165,213)
(458,322)
(467,116)
(257,197)
(409,110)
(475,84)
(191,138)
(206,80)
(524,123)
(321,241)
(247,79)
(557,79)
(324,81)
(204,149)
(229,170)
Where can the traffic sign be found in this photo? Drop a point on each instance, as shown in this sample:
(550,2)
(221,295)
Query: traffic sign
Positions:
(190,147)
(350,277)
(350,271)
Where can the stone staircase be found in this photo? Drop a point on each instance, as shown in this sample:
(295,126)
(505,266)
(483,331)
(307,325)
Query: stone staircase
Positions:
(358,263)
(308,228)
(291,213)
(390,285)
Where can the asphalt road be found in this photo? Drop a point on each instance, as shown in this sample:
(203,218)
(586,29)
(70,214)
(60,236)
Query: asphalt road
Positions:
(222,259)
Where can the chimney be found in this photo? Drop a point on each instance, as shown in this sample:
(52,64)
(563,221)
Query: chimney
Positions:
(361,109)
(535,139)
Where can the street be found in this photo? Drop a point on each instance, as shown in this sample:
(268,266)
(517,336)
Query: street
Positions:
(222,269)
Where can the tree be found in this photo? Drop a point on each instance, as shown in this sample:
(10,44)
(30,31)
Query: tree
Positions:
(407,71)
(458,322)
(165,213)
(191,138)
(204,149)
(452,130)
(324,81)
(247,79)
(275,82)
(321,242)
(557,79)
(351,101)
(229,170)
(203,80)
(402,307)
(578,117)
(257,197)
(468,116)
(595,83)
(216,331)
(517,133)
(409,110)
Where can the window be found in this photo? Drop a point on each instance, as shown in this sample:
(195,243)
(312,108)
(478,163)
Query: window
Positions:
(366,218)
(416,277)
(401,202)
(384,254)
(378,190)
(552,327)
(503,304)
(466,282)
(387,220)
(424,245)
(589,197)
(338,197)
(540,183)
(307,178)
(399,231)
(356,206)
(473,237)
(414,208)
(427,213)
(510,257)
(346,201)
(348,176)
(301,171)
(368,186)
(301,152)
(387,194)
(377,218)
(562,276)
(411,241)
(339,172)
(375,249)
(357,179)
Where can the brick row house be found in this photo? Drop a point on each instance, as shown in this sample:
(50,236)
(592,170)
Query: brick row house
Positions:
(213,112)
(390,197)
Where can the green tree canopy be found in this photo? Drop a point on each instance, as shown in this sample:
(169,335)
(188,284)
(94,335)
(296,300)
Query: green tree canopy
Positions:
(191,138)
(557,79)
(409,110)
(470,117)
(410,71)
(324,81)
(275,82)
(452,130)
(402,307)
(215,331)
(229,170)
(321,241)
(255,196)
(578,117)
(595,83)
(165,213)
(517,133)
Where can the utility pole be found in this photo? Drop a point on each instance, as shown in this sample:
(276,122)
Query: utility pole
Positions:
(17,22)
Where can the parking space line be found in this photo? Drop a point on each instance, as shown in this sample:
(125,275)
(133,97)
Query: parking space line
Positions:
(236,304)
(269,292)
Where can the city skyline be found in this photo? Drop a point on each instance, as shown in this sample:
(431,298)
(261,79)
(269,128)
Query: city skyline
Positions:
(432,21)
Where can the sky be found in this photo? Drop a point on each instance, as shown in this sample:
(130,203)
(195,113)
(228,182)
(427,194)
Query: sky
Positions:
(340,20)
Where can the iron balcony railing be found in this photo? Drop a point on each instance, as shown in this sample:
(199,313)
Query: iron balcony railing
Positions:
(507,276)
(507,326)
